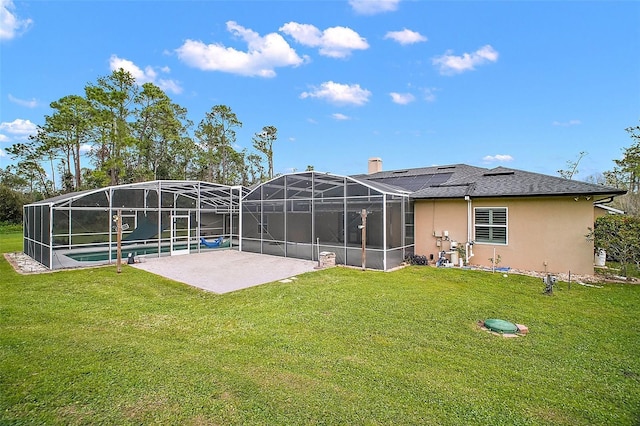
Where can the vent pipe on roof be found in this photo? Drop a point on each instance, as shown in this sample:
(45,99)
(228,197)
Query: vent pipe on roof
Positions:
(375,165)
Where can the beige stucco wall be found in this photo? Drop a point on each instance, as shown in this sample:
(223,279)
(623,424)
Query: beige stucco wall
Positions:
(544,234)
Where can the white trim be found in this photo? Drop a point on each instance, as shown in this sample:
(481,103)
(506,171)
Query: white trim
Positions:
(608,209)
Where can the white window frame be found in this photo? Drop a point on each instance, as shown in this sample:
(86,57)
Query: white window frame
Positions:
(490,225)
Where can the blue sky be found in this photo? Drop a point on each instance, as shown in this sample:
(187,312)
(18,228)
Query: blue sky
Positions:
(521,84)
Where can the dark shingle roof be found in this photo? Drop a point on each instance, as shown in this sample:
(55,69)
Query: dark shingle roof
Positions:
(459,180)
(414,180)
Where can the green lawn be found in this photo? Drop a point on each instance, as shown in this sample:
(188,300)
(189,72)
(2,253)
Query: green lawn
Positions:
(339,346)
(10,241)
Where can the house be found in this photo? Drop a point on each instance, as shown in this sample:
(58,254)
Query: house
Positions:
(522,220)
(487,217)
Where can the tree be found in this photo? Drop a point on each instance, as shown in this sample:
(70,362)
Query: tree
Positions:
(64,134)
(183,154)
(11,203)
(13,181)
(618,235)
(134,133)
(596,179)
(263,142)
(160,124)
(12,197)
(572,167)
(112,99)
(629,165)
(216,135)
(255,169)
(626,175)
(29,168)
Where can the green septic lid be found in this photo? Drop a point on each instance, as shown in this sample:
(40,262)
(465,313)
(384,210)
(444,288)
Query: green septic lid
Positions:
(500,326)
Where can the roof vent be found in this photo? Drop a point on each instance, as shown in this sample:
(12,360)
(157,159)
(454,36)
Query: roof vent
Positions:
(500,173)
(375,165)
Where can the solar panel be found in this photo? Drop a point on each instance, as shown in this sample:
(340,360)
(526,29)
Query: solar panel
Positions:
(439,179)
(416,182)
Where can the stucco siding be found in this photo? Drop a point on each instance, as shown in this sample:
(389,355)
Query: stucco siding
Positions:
(544,234)
(432,218)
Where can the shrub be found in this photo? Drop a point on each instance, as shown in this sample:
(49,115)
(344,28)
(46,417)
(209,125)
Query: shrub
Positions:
(11,203)
(618,235)
(415,259)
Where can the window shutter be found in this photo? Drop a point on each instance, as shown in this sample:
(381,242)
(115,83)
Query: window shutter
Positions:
(491,225)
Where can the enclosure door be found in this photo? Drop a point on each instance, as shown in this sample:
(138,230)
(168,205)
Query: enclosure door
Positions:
(180,231)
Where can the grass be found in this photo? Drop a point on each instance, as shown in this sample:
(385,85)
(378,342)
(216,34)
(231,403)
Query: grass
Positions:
(10,241)
(338,346)
(7,228)
(613,269)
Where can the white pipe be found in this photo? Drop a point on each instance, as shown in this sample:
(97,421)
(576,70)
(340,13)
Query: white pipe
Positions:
(468,247)
(239,217)
(493,261)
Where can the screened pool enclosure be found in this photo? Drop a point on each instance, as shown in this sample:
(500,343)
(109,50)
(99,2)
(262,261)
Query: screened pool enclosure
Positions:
(303,214)
(158,218)
(296,215)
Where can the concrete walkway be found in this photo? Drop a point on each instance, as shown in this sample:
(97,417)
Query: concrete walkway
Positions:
(224,271)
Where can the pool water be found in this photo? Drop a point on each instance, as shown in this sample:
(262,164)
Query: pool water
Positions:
(103,255)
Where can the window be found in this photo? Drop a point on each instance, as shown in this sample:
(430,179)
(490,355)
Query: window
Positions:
(491,225)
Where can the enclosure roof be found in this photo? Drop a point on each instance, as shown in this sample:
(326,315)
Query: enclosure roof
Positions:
(186,188)
(460,180)
(381,187)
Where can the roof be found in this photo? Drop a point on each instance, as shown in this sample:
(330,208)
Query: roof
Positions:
(460,180)
(208,190)
(414,180)
(380,186)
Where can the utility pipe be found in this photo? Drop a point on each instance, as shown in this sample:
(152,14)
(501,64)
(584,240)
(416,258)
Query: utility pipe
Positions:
(468,247)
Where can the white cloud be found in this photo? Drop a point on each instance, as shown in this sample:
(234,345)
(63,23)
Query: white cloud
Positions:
(19,127)
(148,75)
(501,158)
(264,54)
(372,7)
(567,123)
(3,153)
(339,93)
(451,64)
(11,25)
(32,103)
(429,94)
(169,85)
(85,148)
(340,117)
(3,138)
(402,98)
(335,42)
(405,36)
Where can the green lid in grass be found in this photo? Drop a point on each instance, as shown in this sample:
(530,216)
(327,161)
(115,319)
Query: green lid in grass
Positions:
(500,326)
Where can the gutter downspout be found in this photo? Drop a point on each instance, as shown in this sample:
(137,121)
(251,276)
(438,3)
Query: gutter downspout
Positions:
(604,201)
(468,247)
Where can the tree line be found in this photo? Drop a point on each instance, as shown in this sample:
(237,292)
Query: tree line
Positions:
(624,175)
(131,133)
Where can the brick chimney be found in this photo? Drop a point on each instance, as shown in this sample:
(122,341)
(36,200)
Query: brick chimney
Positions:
(375,165)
